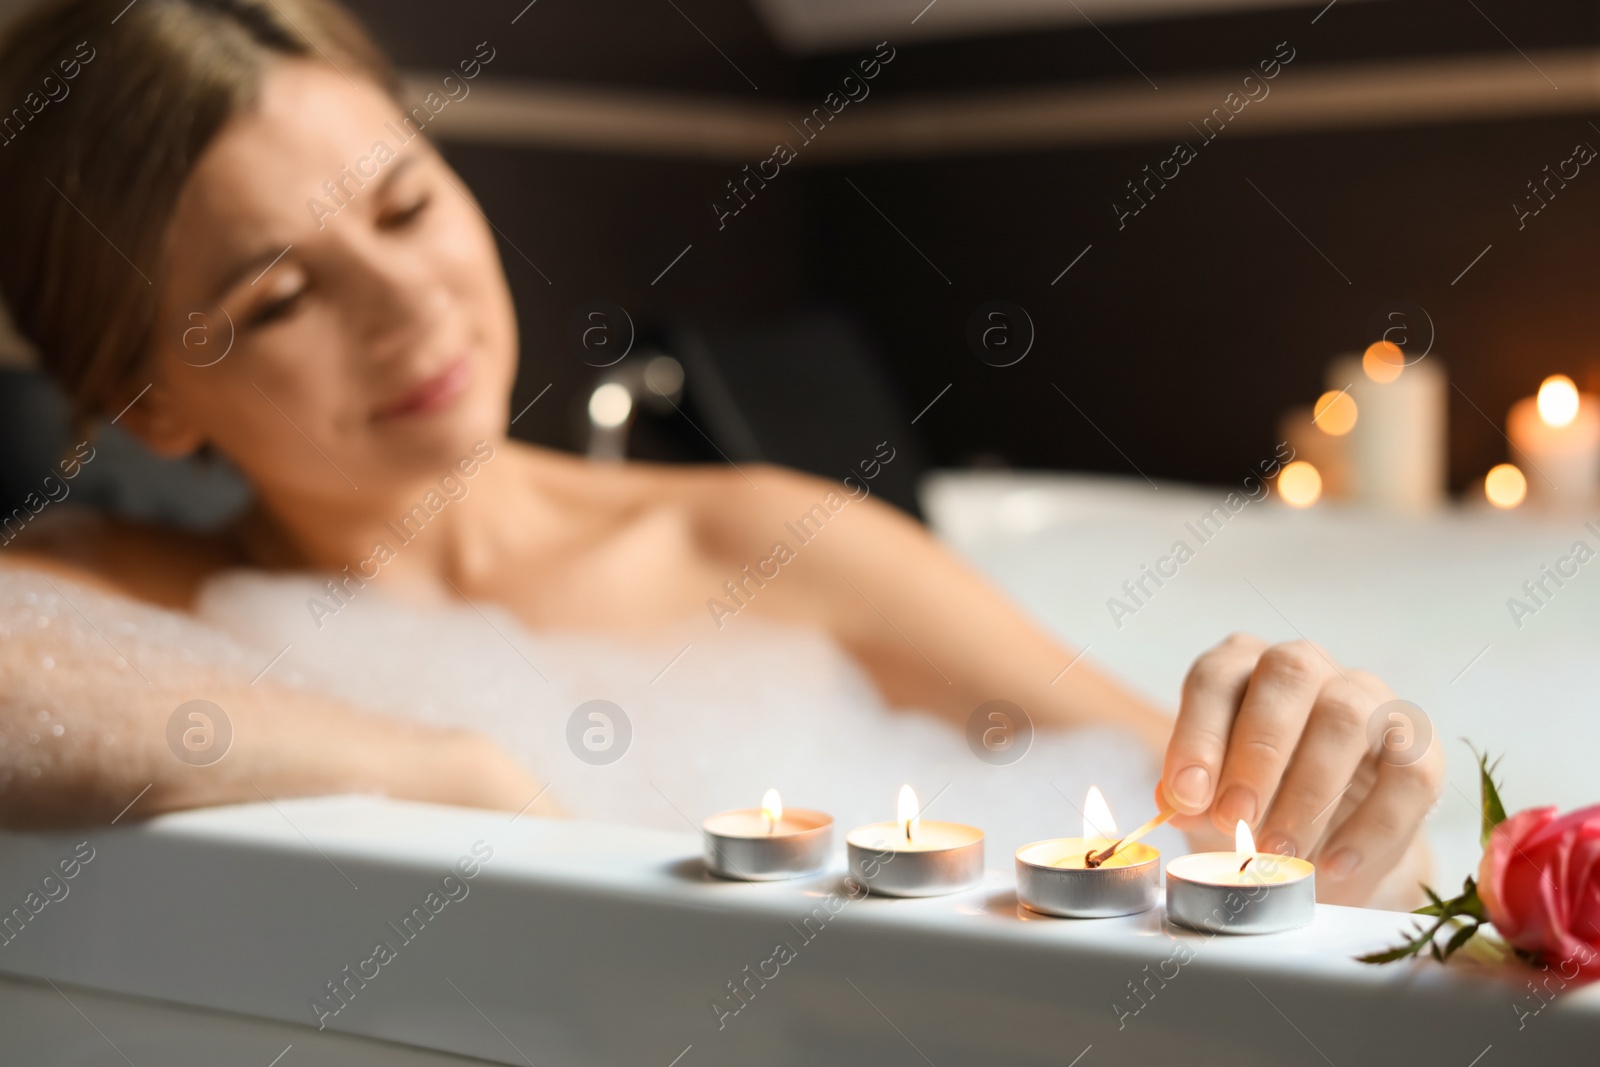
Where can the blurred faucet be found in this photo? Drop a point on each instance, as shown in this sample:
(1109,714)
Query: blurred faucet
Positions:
(653,379)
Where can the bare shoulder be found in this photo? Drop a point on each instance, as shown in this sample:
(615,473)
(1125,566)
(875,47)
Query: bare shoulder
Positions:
(144,561)
(738,510)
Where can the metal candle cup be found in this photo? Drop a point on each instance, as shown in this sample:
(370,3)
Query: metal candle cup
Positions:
(941,857)
(1053,878)
(740,845)
(1207,891)
(912,858)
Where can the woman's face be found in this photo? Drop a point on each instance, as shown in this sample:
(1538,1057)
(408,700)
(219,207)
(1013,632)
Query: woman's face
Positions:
(353,285)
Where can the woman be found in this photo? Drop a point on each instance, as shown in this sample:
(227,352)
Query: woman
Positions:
(373,352)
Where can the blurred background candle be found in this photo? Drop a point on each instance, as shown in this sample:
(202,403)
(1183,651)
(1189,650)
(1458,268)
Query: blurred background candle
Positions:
(767,843)
(1396,441)
(1319,435)
(1556,437)
(912,857)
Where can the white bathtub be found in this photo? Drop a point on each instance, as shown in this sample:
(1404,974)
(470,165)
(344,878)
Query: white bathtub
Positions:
(205,937)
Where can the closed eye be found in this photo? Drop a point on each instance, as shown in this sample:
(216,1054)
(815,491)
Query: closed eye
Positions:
(275,310)
(398,219)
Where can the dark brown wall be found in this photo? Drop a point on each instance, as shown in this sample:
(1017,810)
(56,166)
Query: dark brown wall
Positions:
(1182,336)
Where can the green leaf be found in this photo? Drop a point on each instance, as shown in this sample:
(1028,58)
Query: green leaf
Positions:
(1470,903)
(1390,955)
(1494,812)
(1468,906)
(1459,938)
(1420,940)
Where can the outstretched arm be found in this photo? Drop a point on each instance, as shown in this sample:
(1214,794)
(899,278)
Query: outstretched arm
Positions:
(930,630)
(1275,735)
(78,743)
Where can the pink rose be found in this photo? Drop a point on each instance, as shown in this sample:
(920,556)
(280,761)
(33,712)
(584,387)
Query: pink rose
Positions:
(1540,883)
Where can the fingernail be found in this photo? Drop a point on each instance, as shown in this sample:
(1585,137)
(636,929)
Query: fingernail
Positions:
(1341,863)
(1192,787)
(1239,803)
(1280,845)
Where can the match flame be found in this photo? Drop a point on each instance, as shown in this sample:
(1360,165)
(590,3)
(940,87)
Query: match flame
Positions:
(1243,842)
(908,811)
(771,809)
(1558,400)
(1097,821)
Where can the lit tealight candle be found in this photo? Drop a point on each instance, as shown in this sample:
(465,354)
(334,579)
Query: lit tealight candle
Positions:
(1064,876)
(1558,435)
(767,843)
(1241,892)
(911,857)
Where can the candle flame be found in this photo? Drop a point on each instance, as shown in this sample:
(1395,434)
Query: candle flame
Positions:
(1097,821)
(908,811)
(771,809)
(1243,842)
(1558,400)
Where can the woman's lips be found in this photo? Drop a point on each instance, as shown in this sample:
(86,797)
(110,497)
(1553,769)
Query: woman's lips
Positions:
(432,394)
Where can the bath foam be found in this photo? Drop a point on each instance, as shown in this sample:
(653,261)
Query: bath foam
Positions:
(717,716)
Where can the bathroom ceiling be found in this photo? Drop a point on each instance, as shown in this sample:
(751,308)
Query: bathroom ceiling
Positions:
(808,26)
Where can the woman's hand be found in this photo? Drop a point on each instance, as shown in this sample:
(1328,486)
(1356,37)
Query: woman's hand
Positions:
(1277,735)
(468,769)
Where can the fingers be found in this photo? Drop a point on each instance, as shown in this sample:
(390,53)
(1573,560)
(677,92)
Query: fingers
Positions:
(1211,694)
(1284,686)
(1322,769)
(1375,837)
(1277,737)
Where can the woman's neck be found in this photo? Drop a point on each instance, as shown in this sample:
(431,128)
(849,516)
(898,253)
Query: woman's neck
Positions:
(453,526)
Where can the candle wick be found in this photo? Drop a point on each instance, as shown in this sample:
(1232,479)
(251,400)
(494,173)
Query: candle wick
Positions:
(1245,864)
(1090,861)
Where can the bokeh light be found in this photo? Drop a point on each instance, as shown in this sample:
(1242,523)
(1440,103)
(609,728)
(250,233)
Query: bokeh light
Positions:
(1383,361)
(1558,400)
(1335,413)
(610,405)
(1505,486)
(1299,484)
